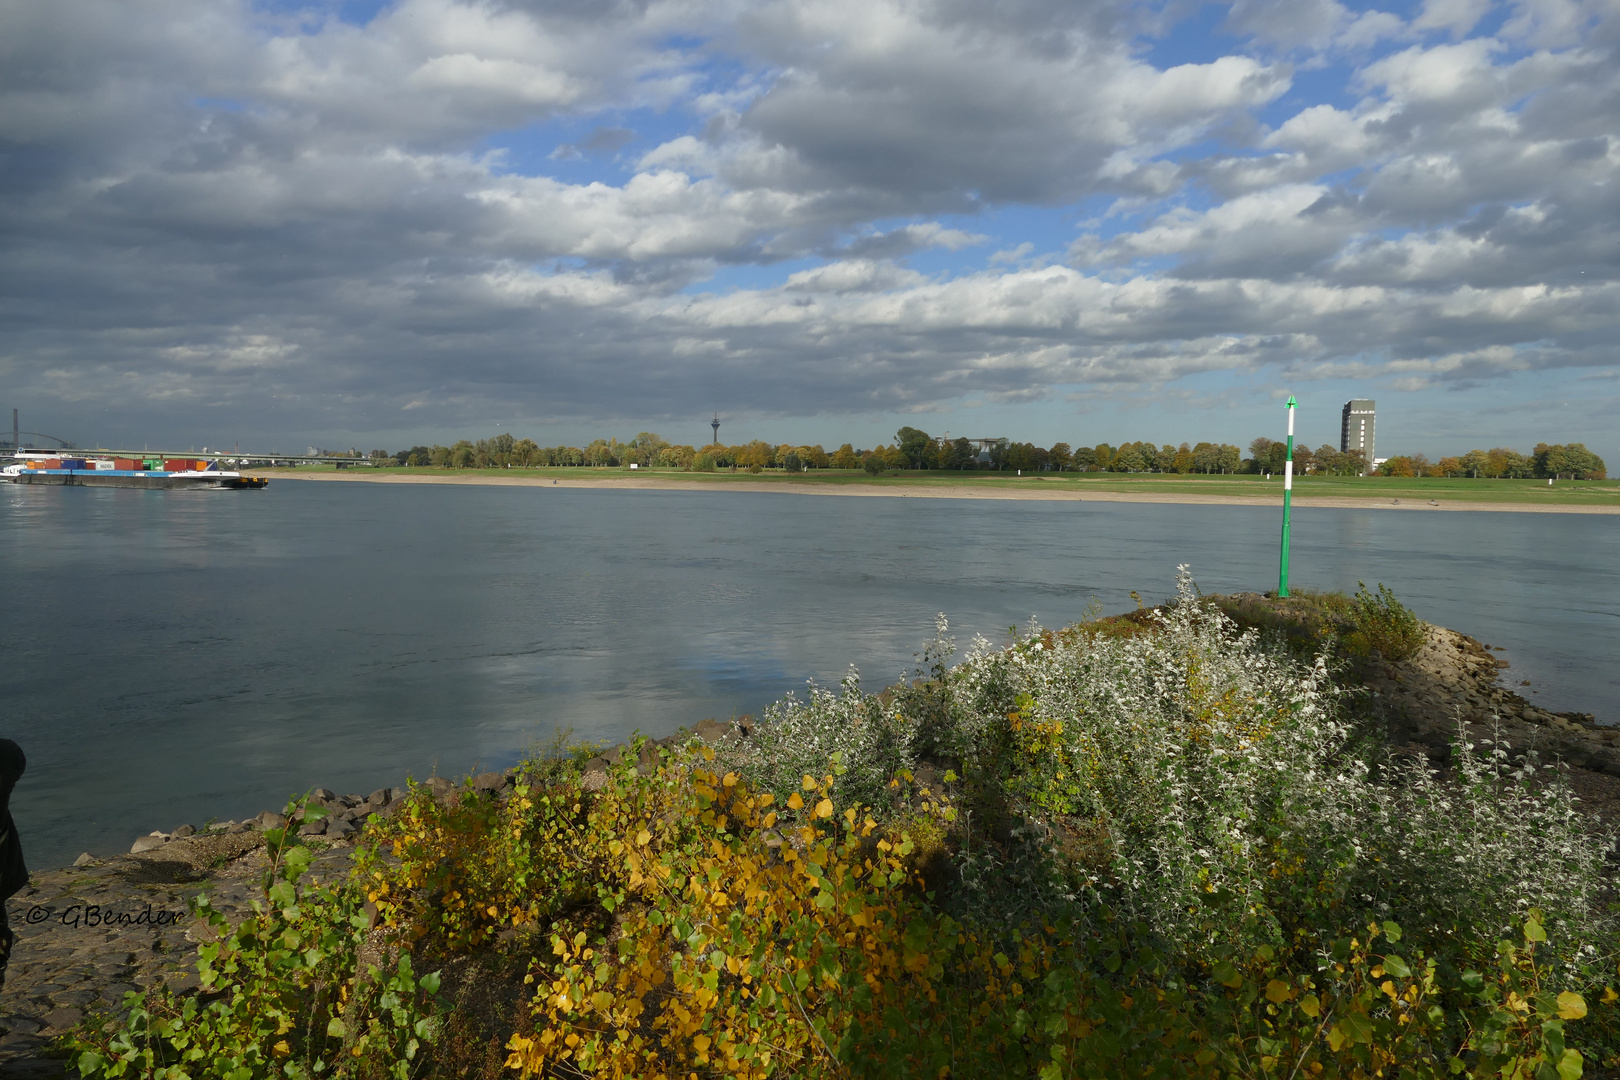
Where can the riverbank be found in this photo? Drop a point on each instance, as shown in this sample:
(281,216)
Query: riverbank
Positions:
(1366,493)
(88,934)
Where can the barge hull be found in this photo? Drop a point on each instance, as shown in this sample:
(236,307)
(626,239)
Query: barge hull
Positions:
(164,481)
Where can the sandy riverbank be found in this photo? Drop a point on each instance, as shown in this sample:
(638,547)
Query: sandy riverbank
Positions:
(962,491)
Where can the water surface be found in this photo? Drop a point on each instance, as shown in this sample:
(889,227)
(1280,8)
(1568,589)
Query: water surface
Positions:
(174,656)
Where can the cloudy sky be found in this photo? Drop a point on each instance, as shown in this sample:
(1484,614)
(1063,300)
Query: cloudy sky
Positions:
(378,224)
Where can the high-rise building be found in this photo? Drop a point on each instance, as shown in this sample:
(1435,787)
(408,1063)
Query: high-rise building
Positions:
(1357,429)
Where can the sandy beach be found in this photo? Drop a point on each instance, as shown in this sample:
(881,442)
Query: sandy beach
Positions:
(964,491)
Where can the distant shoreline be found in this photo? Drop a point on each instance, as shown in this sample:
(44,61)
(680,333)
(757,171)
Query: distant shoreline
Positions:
(654,482)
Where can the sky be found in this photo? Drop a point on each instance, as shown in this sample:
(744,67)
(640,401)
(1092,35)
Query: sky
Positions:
(380,224)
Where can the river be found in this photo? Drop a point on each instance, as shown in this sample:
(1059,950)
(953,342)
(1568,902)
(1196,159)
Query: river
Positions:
(169,657)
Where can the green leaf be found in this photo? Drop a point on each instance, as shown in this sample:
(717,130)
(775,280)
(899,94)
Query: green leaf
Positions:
(1533,931)
(1570,1065)
(1397,967)
(1392,931)
(335,1028)
(1227,975)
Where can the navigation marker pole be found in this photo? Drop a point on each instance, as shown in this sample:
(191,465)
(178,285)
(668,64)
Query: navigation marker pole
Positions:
(1288,499)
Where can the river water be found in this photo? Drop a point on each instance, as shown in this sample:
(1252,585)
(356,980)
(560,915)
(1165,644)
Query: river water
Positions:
(169,657)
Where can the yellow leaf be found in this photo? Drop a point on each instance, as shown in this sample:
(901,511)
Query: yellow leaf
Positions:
(1571,1006)
(794,802)
(1310,1006)
(730,780)
(849,815)
(1278,991)
(824,808)
(809,782)
(642,837)
(1609,995)
(701,1042)
(1336,1038)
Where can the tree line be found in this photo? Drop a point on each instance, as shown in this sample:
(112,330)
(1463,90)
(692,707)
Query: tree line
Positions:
(915,449)
(1572,461)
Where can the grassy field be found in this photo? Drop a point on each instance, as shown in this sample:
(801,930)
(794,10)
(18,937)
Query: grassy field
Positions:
(1604,493)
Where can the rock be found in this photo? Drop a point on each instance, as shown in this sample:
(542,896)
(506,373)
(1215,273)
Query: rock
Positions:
(381,797)
(439,786)
(340,827)
(182,831)
(490,782)
(148,843)
(594,779)
(323,795)
(313,828)
(84,860)
(63,1019)
(269,819)
(710,731)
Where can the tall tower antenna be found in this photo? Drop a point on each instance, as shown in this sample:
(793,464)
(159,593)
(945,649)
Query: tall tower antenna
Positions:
(715,423)
(15,434)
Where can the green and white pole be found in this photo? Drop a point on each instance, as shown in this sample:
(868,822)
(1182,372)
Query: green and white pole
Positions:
(1288,499)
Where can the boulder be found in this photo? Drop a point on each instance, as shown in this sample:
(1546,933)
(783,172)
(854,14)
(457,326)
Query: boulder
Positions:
(489,782)
(340,827)
(314,828)
(323,795)
(711,731)
(84,860)
(148,843)
(183,831)
(439,786)
(269,819)
(381,797)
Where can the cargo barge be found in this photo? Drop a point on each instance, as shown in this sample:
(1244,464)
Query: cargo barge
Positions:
(93,470)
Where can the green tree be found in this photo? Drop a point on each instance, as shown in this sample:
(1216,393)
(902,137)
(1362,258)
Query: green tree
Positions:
(1103,457)
(1084,459)
(874,462)
(1061,456)
(912,443)
(959,455)
(845,457)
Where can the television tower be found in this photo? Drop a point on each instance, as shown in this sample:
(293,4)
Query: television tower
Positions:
(715,423)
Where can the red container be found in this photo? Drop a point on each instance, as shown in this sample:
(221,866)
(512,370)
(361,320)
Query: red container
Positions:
(50,463)
(125,463)
(177,465)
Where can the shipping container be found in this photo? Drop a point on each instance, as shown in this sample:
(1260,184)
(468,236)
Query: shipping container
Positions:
(152,465)
(177,465)
(72,463)
(126,463)
(103,465)
(48,463)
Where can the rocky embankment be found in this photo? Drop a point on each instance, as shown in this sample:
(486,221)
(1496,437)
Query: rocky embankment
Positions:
(89,933)
(1456,678)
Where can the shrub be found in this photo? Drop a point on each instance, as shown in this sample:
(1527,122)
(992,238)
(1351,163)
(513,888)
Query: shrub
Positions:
(284,993)
(1384,624)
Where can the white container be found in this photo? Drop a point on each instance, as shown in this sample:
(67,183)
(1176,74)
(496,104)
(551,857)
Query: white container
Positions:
(102,466)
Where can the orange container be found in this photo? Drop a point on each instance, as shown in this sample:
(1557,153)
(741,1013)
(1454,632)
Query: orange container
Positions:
(49,463)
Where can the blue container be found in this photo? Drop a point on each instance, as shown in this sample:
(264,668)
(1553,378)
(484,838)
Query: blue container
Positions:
(73,463)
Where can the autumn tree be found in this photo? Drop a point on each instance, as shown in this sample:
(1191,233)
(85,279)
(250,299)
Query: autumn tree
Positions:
(845,458)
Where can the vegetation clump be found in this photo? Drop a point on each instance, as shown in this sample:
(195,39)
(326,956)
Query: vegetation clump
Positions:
(1157,843)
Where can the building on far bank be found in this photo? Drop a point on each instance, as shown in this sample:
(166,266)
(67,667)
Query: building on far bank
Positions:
(1357,428)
